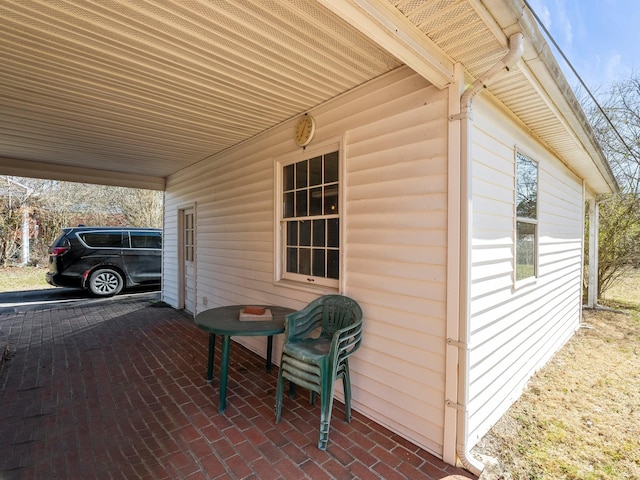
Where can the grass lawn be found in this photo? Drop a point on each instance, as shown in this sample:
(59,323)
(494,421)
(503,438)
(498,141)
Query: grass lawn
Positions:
(14,279)
(579,417)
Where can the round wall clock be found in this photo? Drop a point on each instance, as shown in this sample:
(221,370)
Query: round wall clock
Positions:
(305,128)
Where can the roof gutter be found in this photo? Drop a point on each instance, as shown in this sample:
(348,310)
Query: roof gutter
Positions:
(516,48)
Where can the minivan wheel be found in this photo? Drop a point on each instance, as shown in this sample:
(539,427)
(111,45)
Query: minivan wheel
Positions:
(105,282)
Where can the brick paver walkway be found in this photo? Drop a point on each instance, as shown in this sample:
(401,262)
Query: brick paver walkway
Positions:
(117,390)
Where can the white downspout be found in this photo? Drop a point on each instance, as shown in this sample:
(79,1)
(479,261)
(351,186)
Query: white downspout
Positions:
(506,63)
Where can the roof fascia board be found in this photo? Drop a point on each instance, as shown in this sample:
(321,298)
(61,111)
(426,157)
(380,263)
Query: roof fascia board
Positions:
(388,28)
(67,173)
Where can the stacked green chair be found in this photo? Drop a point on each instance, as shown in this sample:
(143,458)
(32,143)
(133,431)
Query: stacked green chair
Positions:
(318,341)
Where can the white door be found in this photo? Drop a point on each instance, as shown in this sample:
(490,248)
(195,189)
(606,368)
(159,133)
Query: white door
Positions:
(188,247)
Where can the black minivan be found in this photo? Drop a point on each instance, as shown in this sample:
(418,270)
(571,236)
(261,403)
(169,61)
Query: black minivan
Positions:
(105,260)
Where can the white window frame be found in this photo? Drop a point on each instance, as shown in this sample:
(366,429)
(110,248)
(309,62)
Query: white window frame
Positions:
(529,221)
(281,276)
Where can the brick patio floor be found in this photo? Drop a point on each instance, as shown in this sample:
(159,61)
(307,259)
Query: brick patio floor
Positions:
(117,390)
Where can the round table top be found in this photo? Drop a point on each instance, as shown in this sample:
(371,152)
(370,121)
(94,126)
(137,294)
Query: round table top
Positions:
(225,321)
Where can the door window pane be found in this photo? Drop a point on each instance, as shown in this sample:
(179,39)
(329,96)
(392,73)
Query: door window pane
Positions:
(189,237)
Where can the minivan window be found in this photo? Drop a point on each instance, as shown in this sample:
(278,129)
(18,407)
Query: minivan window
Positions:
(146,239)
(102,239)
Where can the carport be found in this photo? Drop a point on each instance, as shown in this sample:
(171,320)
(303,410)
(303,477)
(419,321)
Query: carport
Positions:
(117,390)
(127,94)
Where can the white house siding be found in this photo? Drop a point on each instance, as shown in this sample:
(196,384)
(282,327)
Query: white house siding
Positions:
(394,235)
(396,263)
(514,331)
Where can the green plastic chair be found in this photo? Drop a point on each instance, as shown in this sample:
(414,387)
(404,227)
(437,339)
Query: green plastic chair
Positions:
(315,361)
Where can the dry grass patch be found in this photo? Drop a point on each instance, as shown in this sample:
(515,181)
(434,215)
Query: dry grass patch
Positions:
(580,415)
(626,293)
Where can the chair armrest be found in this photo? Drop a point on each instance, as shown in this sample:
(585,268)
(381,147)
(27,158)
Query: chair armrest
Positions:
(300,324)
(346,341)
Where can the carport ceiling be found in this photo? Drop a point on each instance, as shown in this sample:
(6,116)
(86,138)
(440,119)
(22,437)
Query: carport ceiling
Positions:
(146,88)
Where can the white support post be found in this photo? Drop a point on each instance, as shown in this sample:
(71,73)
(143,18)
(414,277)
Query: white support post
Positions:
(594,220)
(25,236)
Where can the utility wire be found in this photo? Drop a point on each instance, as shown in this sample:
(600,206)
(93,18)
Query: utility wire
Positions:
(581,81)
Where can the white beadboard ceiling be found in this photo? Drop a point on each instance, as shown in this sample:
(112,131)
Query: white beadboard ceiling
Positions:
(130,91)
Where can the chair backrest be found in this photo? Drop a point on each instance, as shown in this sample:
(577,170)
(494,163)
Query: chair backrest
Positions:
(345,315)
(338,312)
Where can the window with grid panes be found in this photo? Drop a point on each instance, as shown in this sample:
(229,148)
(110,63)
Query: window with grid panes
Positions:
(526,217)
(189,237)
(310,220)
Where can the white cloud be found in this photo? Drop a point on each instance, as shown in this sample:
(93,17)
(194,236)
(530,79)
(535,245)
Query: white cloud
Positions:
(553,12)
(564,22)
(568,31)
(541,9)
(613,69)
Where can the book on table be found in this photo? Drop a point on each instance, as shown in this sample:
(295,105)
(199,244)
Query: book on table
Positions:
(253,314)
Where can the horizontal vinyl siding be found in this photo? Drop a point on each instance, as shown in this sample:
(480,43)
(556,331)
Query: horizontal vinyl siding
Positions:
(394,237)
(169,256)
(515,331)
(396,252)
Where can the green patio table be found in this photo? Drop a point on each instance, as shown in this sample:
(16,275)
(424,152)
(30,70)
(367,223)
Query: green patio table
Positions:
(226,321)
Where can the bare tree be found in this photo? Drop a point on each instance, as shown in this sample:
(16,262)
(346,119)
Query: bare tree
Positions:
(619,131)
(619,239)
(53,205)
(135,207)
(14,209)
(617,125)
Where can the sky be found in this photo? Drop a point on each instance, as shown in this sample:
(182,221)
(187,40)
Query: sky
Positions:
(601,38)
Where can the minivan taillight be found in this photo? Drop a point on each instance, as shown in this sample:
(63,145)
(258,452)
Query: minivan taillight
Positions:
(55,251)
